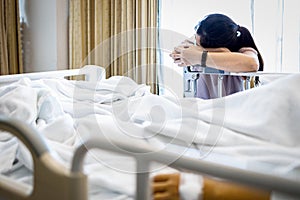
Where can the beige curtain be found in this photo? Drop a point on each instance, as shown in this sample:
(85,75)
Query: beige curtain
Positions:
(119,35)
(10,38)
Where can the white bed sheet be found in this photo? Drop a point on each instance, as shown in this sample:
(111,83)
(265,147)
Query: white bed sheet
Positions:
(256,129)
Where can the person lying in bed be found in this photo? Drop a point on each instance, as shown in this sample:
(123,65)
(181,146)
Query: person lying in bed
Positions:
(224,45)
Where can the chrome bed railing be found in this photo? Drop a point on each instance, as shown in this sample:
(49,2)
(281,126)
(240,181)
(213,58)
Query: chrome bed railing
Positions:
(191,75)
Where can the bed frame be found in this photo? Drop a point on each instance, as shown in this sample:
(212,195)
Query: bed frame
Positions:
(90,73)
(191,75)
(72,184)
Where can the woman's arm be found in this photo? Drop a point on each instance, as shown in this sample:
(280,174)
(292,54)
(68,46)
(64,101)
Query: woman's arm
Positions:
(219,58)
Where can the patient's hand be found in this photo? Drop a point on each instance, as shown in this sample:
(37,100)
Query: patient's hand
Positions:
(166,186)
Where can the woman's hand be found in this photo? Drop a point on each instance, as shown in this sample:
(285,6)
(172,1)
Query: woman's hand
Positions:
(187,55)
(166,186)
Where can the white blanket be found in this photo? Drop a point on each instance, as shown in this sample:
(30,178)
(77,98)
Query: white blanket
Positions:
(259,126)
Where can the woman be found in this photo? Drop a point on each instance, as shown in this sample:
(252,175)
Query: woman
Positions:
(224,45)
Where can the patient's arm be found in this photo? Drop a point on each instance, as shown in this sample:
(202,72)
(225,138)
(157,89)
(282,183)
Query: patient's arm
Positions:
(166,186)
(217,189)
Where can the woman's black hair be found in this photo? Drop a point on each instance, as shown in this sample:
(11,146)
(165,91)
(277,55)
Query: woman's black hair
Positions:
(218,30)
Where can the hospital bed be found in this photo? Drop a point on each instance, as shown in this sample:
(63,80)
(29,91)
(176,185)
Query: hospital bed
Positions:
(72,183)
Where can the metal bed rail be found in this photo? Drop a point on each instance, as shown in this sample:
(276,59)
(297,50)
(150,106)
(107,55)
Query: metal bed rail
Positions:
(191,74)
(91,73)
(143,159)
(52,180)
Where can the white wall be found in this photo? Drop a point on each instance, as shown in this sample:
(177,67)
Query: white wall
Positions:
(45,34)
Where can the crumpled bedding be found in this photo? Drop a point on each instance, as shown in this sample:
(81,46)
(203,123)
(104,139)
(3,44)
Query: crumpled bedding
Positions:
(257,127)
